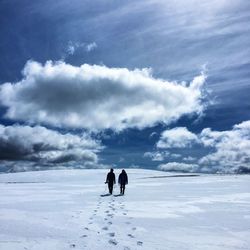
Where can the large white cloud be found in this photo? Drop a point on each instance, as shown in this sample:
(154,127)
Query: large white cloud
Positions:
(179,137)
(232,148)
(97,97)
(229,149)
(41,146)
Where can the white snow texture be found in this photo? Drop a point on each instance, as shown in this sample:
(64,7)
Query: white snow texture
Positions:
(64,209)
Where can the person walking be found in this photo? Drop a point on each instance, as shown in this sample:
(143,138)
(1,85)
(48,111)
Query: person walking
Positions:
(110,180)
(123,181)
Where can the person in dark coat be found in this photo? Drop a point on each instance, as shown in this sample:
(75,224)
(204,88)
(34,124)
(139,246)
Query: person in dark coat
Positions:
(123,181)
(110,180)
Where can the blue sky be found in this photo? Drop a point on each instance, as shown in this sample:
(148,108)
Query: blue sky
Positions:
(118,111)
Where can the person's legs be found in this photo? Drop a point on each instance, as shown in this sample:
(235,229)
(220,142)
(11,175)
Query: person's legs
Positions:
(110,188)
(121,189)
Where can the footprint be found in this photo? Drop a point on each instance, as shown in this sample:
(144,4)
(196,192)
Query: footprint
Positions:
(84,236)
(95,210)
(72,245)
(139,243)
(111,234)
(113,242)
(131,235)
(107,211)
(134,228)
(124,213)
(105,228)
(128,223)
(110,223)
(86,228)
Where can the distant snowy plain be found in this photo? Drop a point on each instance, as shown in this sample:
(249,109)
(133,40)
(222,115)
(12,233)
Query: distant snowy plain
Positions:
(64,209)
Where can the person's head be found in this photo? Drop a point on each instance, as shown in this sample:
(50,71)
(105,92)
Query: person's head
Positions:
(123,171)
(111,170)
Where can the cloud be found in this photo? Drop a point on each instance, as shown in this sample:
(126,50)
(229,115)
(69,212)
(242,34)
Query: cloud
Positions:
(156,156)
(152,135)
(44,147)
(91,46)
(175,155)
(72,47)
(121,159)
(97,97)
(231,149)
(179,167)
(189,158)
(179,137)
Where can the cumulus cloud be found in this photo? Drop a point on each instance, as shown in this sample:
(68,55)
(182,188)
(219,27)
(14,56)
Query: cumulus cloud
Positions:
(97,97)
(179,167)
(179,137)
(232,149)
(156,156)
(41,146)
(229,149)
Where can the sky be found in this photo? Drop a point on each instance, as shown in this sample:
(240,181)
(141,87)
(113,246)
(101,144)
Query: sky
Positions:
(150,84)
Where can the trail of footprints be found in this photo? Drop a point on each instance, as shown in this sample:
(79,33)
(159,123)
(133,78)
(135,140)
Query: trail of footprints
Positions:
(108,222)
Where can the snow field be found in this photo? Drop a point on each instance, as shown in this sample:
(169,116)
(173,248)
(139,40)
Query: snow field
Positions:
(70,209)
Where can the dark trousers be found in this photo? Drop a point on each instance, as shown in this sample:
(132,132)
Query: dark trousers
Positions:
(110,185)
(122,188)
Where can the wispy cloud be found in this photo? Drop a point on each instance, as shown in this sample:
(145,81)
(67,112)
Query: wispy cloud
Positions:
(73,47)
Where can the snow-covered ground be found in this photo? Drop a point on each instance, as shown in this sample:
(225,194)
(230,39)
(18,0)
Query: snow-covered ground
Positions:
(64,209)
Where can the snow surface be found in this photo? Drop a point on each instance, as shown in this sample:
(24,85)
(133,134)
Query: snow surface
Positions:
(64,209)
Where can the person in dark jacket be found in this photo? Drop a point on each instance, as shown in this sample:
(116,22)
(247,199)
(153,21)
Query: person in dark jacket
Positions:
(123,181)
(110,180)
